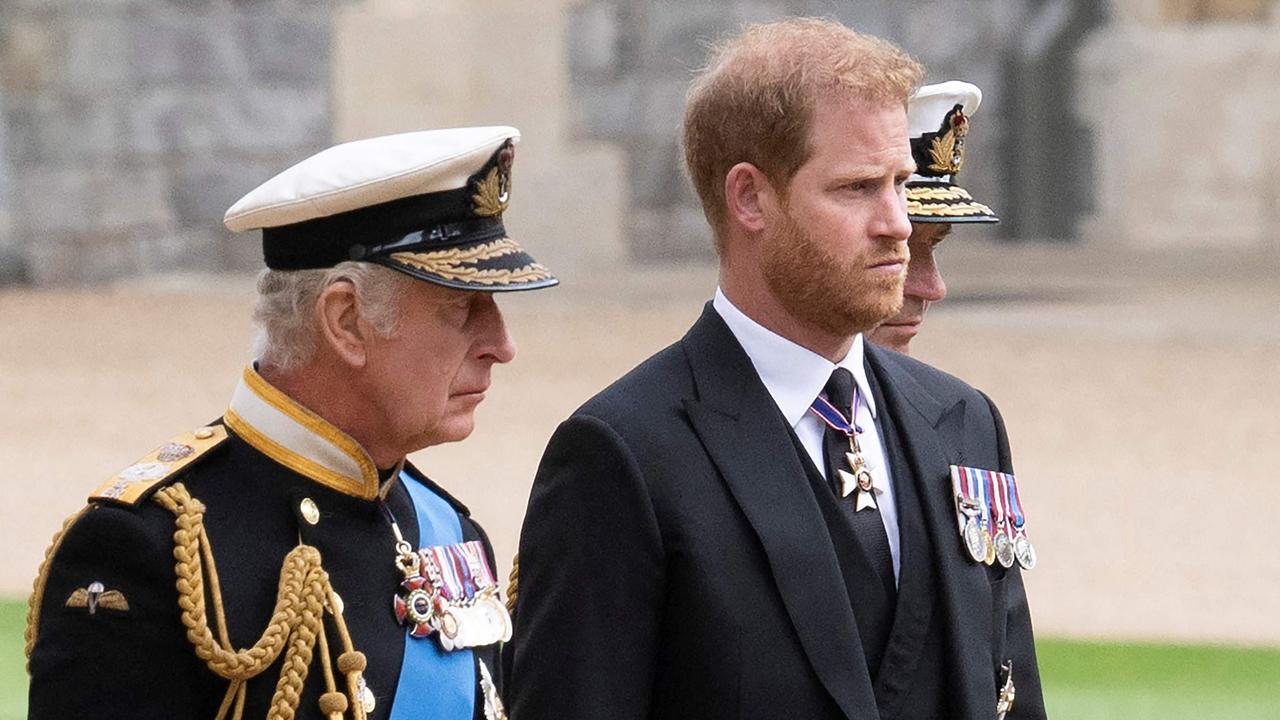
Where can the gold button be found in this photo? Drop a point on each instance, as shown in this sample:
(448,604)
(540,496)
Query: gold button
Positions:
(310,512)
(204,433)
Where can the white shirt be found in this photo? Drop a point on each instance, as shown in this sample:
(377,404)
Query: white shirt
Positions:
(794,377)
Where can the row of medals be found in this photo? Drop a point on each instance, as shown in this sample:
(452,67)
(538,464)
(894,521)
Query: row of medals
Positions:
(986,538)
(991,545)
(473,620)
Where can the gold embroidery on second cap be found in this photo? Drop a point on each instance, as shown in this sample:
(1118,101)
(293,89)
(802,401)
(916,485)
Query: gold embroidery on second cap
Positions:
(937,193)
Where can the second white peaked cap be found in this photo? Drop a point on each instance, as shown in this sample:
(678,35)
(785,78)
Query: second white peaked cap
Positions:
(938,125)
(425,203)
(930,104)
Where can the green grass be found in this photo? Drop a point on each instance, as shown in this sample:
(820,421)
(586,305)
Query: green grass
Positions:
(13,660)
(1164,682)
(1083,681)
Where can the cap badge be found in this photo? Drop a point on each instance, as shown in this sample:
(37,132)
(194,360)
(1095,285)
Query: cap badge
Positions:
(493,191)
(947,150)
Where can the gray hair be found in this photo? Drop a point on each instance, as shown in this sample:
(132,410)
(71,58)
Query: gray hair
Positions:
(285,310)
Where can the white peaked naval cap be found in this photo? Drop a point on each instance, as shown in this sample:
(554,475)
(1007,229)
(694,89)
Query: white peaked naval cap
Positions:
(938,118)
(426,203)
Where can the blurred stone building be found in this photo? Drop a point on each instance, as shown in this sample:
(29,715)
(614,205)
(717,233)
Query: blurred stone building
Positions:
(1182,98)
(128,126)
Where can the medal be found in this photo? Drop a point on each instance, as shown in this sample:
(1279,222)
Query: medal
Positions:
(1003,533)
(367,700)
(1022,547)
(416,601)
(449,591)
(987,518)
(472,615)
(1003,550)
(1025,552)
(968,510)
(858,477)
(990,518)
(493,709)
(974,540)
(1004,701)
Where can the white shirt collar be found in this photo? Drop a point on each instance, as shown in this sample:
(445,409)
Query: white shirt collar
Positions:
(792,374)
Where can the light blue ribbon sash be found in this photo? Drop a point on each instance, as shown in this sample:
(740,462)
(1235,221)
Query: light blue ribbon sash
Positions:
(434,684)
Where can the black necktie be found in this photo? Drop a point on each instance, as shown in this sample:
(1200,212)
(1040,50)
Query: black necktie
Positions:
(867,524)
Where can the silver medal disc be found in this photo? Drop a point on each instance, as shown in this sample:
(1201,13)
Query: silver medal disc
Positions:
(975,540)
(1025,552)
(1004,550)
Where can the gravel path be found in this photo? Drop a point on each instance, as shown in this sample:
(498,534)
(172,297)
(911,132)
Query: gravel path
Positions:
(1140,395)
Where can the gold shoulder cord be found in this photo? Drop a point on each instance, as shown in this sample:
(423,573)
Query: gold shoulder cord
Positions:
(305,595)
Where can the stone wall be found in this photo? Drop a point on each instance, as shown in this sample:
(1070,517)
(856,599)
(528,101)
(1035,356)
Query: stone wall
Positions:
(127,127)
(631,62)
(130,126)
(1186,117)
(403,65)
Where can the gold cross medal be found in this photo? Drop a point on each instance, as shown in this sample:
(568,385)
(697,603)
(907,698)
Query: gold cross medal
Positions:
(858,477)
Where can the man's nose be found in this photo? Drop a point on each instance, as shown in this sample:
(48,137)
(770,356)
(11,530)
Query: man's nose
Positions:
(891,222)
(924,280)
(493,341)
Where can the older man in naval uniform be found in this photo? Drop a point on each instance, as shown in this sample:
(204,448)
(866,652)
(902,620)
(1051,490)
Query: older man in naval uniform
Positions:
(718,535)
(285,560)
(938,119)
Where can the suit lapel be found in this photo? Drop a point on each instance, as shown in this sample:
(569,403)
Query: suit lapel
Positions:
(963,585)
(748,440)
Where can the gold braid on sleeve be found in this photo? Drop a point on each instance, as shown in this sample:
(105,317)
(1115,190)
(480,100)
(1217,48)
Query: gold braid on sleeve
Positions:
(297,622)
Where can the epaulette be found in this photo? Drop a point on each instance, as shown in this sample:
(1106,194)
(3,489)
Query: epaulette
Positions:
(157,468)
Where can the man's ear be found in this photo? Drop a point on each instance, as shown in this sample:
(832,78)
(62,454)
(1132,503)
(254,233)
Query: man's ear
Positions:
(748,196)
(341,328)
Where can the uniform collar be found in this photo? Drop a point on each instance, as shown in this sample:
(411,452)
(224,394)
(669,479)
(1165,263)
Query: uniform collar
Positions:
(793,375)
(285,431)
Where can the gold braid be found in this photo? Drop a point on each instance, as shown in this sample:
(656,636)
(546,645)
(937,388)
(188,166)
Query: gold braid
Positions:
(297,660)
(513,584)
(37,590)
(297,620)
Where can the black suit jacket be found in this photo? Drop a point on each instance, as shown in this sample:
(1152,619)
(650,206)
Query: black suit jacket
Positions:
(676,561)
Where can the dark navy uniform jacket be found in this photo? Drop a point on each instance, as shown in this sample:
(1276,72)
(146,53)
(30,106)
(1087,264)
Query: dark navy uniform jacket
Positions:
(271,475)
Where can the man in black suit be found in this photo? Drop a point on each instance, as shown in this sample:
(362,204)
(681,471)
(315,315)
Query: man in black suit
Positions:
(759,521)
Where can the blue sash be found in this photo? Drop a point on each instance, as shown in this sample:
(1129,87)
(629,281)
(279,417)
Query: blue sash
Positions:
(434,684)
